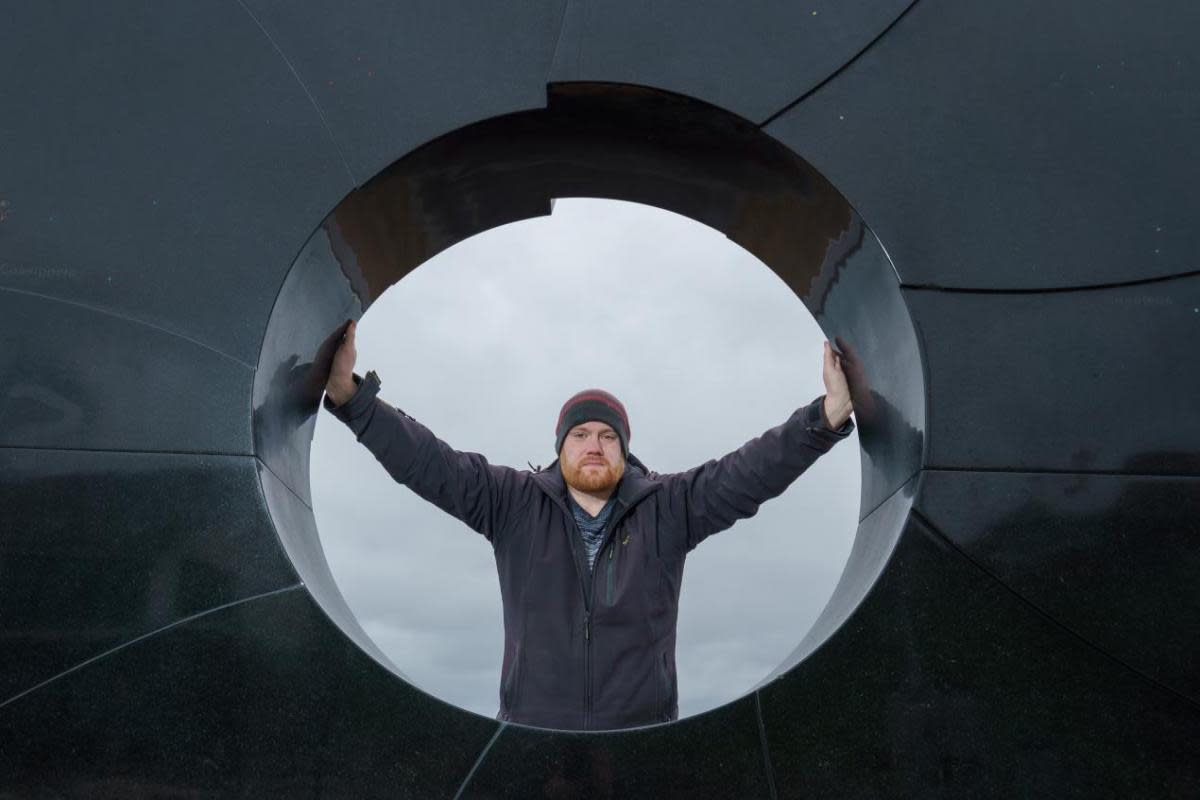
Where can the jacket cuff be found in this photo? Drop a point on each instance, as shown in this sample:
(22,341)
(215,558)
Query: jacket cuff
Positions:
(360,402)
(815,421)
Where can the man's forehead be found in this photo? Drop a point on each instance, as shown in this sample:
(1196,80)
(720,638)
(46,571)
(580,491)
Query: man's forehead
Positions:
(593,425)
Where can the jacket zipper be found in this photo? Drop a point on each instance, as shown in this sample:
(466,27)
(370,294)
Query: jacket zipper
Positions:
(587,633)
(587,628)
(609,539)
(587,600)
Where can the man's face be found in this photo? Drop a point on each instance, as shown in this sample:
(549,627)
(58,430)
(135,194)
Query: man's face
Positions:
(591,458)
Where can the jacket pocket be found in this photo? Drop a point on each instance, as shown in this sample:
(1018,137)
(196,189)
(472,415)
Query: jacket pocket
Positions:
(608,581)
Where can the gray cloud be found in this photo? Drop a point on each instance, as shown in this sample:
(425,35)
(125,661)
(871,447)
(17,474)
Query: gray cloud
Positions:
(704,345)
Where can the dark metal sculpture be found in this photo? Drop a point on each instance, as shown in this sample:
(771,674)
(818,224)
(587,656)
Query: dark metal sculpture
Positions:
(1017,617)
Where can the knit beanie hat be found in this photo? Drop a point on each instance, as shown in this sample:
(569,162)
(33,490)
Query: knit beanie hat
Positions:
(592,405)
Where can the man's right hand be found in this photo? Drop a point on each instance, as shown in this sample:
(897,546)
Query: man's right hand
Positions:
(341,386)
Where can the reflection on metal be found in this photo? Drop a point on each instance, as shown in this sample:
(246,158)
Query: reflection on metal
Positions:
(169,622)
(623,143)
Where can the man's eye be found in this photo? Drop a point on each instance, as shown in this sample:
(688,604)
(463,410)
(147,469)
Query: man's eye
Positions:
(609,437)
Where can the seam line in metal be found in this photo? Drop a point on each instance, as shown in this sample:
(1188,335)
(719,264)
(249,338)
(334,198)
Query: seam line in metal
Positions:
(303,87)
(1091,287)
(766,750)
(482,755)
(144,636)
(935,532)
(892,494)
(53,448)
(283,483)
(133,320)
(840,69)
(1055,471)
(562,26)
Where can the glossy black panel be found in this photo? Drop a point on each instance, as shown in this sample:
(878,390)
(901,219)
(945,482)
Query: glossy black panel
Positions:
(160,162)
(945,684)
(1113,558)
(100,548)
(297,530)
(1081,381)
(391,76)
(263,699)
(856,302)
(664,761)
(751,63)
(874,542)
(318,297)
(166,163)
(1019,144)
(74,377)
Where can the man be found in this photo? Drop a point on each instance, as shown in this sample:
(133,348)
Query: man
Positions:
(590,550)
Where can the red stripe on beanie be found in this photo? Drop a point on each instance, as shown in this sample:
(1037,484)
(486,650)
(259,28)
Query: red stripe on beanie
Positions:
(598,395)
(592,404)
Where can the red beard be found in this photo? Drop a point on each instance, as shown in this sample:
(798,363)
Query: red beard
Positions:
(592,480)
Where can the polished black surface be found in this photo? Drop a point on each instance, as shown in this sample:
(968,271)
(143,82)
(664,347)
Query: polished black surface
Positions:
(296,530)
(753,64)
(946,684)
(874,542)
(1083,381)
(287,388)
(665,761)
(389,76)
(1113,558)
(264,699)
(161,163)
(102,547)
(170,625)
(1019,145)
(75,377)
(856,303)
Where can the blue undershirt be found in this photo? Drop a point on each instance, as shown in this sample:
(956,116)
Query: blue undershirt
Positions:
(592,528)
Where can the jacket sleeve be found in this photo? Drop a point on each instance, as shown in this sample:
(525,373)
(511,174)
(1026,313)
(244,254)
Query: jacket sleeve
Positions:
(462,484)
(711,497)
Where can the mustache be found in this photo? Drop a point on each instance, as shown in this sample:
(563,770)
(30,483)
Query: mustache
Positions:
(592,481)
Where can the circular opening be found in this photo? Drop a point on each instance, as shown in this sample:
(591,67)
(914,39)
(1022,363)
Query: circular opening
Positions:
(705,346)
(621,143)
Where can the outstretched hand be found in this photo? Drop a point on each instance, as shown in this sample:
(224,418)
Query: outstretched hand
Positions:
(837,391)
(341,387)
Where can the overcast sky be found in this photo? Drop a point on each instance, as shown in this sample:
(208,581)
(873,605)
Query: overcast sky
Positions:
(706,348)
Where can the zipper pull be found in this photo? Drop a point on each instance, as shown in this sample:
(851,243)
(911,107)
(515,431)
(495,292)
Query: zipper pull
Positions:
(587,626)
(610,552)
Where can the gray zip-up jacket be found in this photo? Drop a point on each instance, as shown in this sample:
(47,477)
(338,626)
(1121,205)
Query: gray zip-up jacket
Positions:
(588,650)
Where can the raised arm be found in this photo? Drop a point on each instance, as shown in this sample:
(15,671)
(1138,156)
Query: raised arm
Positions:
(713,496)
(462,484)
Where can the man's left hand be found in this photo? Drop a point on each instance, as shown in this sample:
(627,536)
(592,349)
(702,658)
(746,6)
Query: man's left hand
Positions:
(837,391)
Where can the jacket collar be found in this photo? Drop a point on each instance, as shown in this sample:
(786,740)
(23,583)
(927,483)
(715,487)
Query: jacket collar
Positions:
(635,485)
